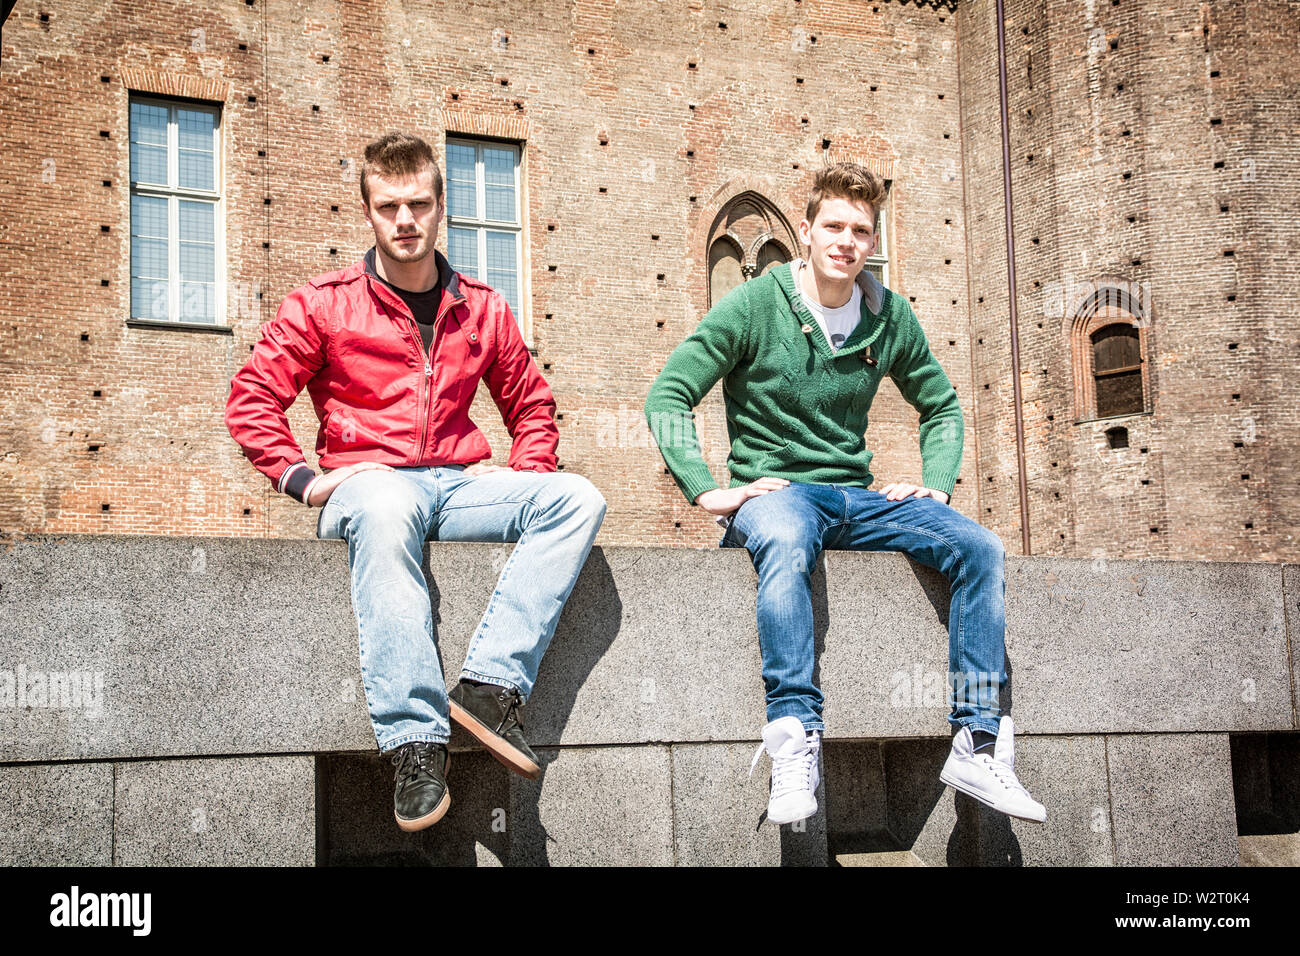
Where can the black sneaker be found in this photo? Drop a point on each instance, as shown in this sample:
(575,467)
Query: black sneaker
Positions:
(494,715)
(422,796)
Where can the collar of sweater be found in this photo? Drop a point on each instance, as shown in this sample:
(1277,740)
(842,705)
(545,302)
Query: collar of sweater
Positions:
(873,300)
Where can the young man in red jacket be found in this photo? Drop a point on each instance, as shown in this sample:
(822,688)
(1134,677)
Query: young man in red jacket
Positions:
(392,350)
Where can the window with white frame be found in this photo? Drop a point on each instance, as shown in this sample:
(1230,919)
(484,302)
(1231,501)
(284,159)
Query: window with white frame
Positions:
(878,264)
(176,226)
(484,222)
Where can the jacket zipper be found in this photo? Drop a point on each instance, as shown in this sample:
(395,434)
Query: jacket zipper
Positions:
(426,402)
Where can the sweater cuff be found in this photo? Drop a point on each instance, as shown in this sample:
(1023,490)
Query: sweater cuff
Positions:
(941,481)
(695,480)
(295,480)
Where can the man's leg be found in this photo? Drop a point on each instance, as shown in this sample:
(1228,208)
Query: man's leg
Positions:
(972,558)
(384,517)
(554,519)
(783,532)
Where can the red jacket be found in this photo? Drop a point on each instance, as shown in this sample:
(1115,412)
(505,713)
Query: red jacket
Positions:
(355,346)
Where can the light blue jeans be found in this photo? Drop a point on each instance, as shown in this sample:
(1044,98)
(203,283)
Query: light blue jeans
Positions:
(386,517)
(785,532)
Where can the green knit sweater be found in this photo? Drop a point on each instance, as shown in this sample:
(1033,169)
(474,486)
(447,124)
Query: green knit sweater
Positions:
(795,409)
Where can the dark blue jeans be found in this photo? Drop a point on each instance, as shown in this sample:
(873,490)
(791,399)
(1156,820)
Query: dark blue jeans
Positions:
(785,532)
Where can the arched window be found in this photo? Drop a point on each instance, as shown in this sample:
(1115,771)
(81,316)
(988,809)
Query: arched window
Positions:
(1109,345)
(749,237)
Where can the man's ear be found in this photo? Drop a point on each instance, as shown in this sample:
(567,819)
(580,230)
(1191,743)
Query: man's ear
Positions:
(365,211)
(805,232)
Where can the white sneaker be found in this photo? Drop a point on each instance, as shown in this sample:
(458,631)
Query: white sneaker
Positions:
(991,780)
(794,756)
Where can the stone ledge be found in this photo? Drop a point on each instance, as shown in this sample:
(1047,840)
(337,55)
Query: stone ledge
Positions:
(220,646)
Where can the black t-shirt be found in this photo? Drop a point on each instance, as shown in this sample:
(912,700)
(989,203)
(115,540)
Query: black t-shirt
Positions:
(423,305)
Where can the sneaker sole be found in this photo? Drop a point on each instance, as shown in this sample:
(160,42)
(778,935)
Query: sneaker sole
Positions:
(434,815)
(429,819)
(976,795)
(795,819)
(497,746)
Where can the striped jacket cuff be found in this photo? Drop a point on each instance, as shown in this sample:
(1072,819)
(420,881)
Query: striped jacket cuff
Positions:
(295,480)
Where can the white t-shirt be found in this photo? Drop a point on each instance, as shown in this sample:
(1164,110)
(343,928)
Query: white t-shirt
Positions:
(837,324)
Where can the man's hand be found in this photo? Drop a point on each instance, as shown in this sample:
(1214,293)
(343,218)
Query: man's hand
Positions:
(723,501)
(898,490)
(323,486)
(482,468)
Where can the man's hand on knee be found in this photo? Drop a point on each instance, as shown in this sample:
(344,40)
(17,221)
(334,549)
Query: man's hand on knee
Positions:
(723,501)
(322,486)
(898,490)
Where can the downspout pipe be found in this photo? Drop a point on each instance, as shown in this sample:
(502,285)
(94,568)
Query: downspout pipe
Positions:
(1011,281)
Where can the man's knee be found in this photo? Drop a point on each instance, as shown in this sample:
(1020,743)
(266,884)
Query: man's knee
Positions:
(576,494)
(978,543)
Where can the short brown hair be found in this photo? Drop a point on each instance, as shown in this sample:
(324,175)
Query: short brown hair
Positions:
(845,181)
(398,154)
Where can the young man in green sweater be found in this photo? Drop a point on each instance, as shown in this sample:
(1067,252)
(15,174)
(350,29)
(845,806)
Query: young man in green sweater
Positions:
(801,351)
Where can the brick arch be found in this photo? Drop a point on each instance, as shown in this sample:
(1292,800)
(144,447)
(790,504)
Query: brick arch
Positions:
(741,214)
(1091,306)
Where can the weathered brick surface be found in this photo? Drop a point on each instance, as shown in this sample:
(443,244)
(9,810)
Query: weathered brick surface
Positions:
(672,114)
(1119,114)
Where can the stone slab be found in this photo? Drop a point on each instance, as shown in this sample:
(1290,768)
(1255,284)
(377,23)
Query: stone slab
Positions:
(1269,849)
(944,828)
(594,806)
(1172,800)
(196,642)
(1291,593)
(182,646)
(240,811)
(56,815)
(361,831)
(1098,646)
(719,812)
(644,652)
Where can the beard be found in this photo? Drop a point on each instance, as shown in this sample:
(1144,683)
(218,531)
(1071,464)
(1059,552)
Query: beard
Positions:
(402,253)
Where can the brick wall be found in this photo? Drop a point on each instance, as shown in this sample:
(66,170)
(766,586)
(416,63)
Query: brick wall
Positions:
(1154,145)
(672,108)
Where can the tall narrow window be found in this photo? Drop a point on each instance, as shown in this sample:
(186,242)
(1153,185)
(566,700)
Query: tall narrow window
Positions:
(1110,348)
(1117,367)
(878,263)
(484,224)
(175,211)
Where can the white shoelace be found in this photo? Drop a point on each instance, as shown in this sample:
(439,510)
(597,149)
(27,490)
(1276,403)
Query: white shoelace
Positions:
(1004,774)
(789,771)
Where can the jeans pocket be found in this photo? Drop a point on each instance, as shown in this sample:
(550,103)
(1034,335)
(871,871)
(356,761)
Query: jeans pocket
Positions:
(734,537)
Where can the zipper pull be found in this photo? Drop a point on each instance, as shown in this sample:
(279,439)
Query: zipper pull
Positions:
(428,369)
